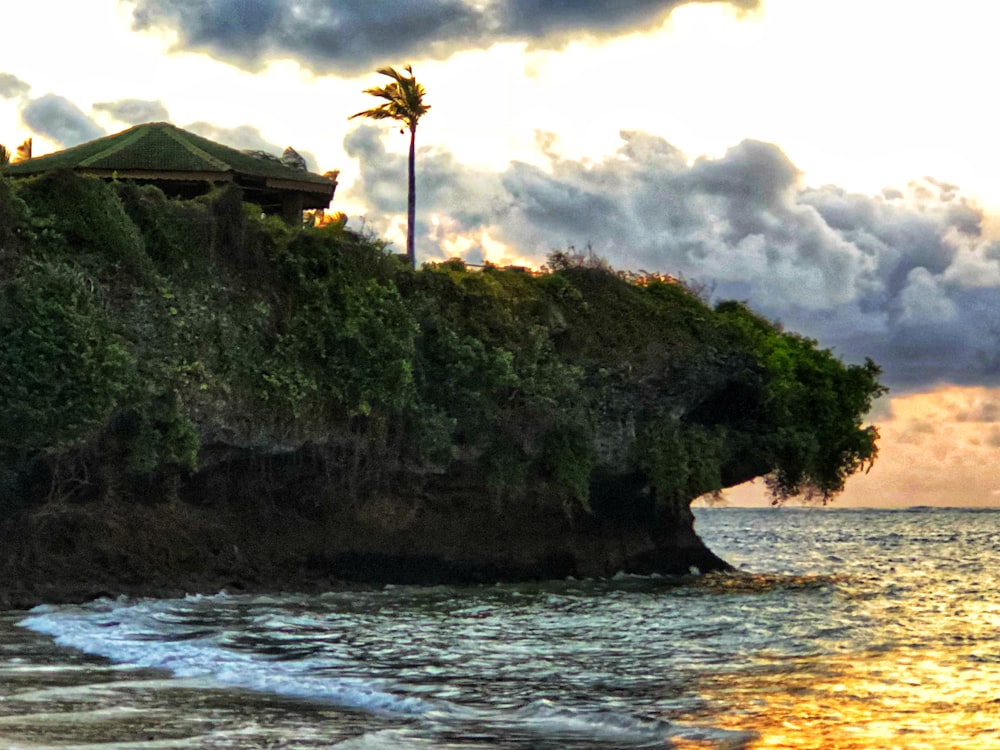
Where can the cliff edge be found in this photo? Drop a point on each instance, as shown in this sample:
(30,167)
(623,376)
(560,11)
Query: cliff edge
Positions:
(197,397)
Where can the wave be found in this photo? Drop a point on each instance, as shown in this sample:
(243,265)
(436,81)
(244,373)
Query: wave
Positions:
(149,634)
(205,642)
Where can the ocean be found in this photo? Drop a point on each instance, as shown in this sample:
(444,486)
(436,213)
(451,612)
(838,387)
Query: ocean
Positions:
(842,629)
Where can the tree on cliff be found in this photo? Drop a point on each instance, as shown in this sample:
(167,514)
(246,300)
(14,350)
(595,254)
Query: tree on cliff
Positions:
(405,103)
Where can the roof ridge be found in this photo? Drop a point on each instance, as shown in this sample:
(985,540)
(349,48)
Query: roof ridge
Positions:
(162,147)
(137,132)
(179,135)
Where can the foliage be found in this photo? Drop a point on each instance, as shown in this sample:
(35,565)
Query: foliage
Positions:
(157,437)
(404,102)
(84,217)
(62,369)
(681,460)
(140,327)
(504,465)
(177,235)
(404,99)
(813,409)
(568,457)
(13,219)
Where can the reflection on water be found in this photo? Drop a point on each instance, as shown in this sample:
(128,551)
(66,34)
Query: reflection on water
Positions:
(909,656)
(868,700)
(855,630)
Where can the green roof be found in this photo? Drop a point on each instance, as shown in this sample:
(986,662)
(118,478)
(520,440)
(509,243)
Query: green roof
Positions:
(168,152)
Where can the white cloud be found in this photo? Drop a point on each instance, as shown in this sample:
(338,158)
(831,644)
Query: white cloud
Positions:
(925,301)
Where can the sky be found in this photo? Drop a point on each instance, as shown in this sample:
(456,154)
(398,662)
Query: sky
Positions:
(830,162)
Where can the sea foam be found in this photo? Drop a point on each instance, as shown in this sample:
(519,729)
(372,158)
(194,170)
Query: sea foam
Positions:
(150,634)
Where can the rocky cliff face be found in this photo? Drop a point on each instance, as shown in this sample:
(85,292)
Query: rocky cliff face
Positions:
(266,524)
(194,397)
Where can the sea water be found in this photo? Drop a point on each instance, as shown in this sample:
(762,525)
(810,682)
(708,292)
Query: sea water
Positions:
(842,629)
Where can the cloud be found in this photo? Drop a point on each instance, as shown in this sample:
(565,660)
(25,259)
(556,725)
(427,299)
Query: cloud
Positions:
(905,277)
(732,221)
(58,119)
(244,137)
(470,199)
(332,36)
(12,87)
(918,432)
(988,412)
(134,111)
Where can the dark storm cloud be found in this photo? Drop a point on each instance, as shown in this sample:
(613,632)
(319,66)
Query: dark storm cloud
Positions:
(60,120)
(135,111)
(904,277)
(536,20)
(12,87)
(354,37)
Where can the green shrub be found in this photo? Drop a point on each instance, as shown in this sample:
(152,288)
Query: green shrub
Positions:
(62,370)
(504,464)
(177,235)
(157,437)
(814,406)
(682,461)
(567,456)
(82,218)
(13,220)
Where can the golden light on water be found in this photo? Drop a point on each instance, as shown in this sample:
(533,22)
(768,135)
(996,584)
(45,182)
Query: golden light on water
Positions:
(878,701)
(937,687)
(883,633)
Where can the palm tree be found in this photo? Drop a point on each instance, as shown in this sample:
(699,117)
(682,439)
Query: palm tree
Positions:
(24,151)
(404,103)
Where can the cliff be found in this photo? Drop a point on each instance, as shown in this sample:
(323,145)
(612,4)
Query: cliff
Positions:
(195,396)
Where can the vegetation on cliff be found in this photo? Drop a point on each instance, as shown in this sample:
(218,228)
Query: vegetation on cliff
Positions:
(145,340)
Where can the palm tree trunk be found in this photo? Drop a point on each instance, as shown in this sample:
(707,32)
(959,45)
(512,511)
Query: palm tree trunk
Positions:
(411,202)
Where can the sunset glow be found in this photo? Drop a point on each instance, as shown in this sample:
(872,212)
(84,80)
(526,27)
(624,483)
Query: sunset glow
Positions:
(828,162)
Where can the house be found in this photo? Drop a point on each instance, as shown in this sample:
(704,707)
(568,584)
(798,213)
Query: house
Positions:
(185,165)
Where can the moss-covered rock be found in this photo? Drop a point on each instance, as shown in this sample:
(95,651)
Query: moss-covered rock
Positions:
(156,352)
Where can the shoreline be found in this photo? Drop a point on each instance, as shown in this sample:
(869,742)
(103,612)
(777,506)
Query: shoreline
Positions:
(21,600)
